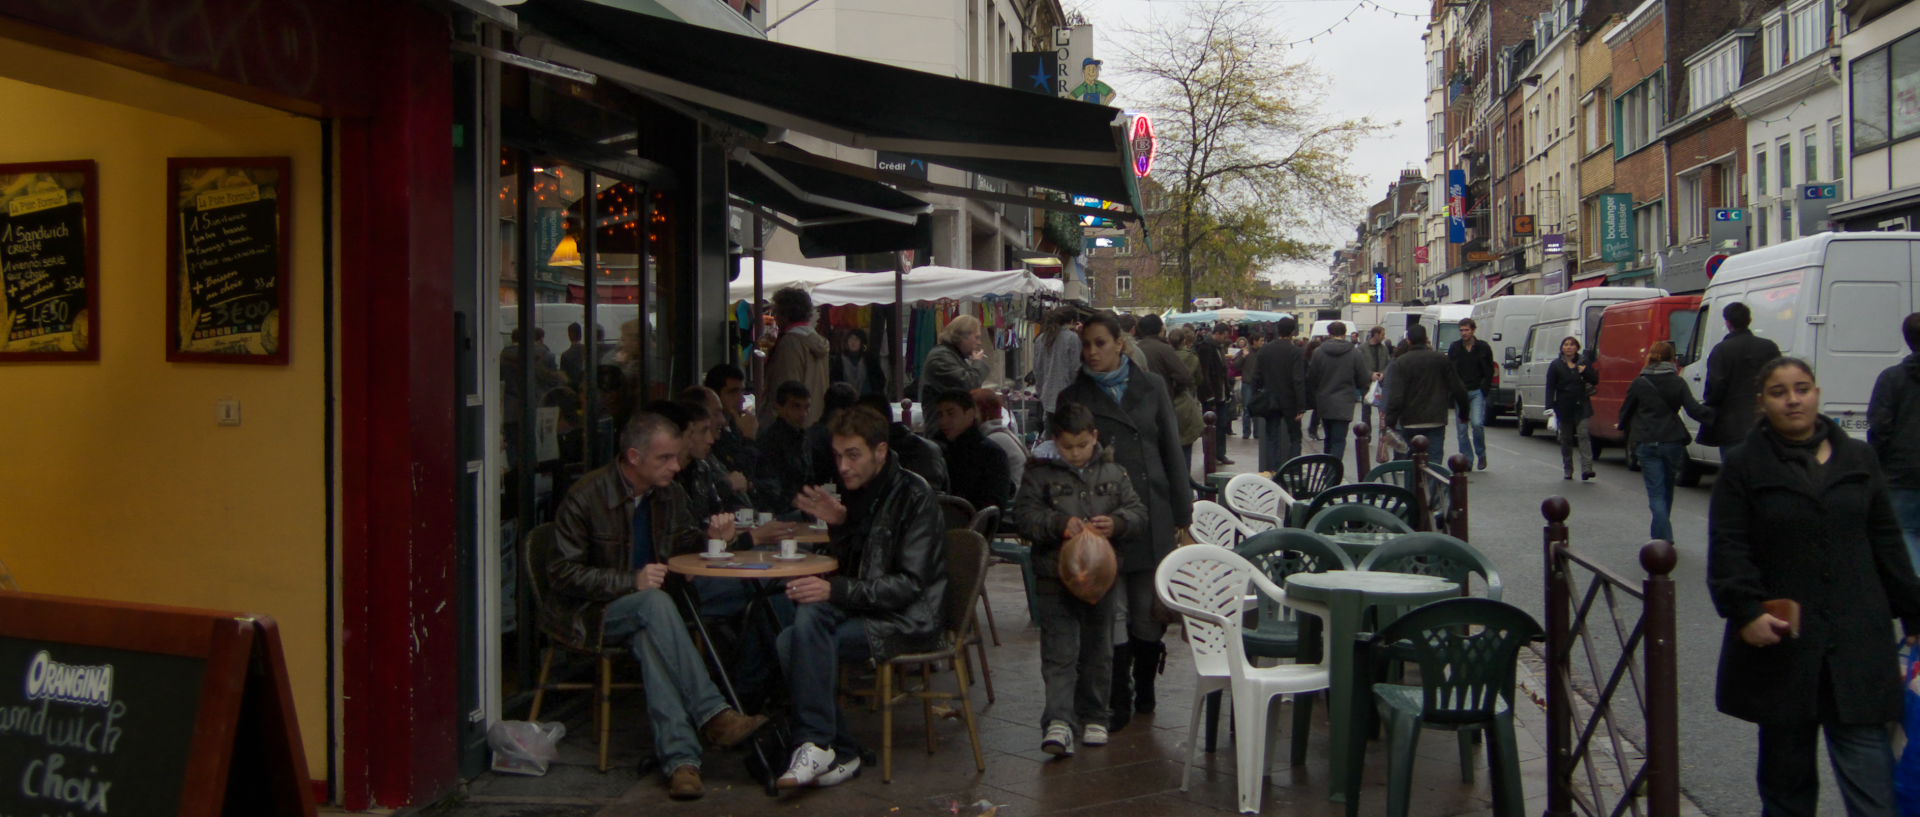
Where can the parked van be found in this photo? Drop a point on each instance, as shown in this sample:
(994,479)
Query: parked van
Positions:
(1835,300)
(1627,331)
(1319,329)
(1503,323)
(1569,314)
(1443,323)
(1396,324)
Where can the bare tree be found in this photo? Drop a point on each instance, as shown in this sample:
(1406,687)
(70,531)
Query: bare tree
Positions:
(1253,168)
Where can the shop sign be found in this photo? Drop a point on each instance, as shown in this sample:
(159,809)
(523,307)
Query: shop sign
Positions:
(227,298)
(1145,146)
(901,163)
(1477,257)
(1553,243)
(1523,224)
(1616,228)
(1033,71)
(1360,298)
(49,264)
(1456,206)
(1420,255)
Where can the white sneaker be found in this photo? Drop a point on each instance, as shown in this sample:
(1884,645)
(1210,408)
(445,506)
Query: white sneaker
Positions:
(840,773)
(1059,739)
(809,762)
(1094,735)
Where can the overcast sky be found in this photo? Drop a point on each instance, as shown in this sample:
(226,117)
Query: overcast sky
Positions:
(1374,63)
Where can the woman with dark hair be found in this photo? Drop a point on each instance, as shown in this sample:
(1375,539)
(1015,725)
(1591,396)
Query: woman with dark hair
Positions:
(858,366)
(1056,359)
(1569,384)
(1801,513)
(1650,416)
(1134,413)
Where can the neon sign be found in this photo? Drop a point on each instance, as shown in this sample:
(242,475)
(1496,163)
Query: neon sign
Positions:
(1144,146)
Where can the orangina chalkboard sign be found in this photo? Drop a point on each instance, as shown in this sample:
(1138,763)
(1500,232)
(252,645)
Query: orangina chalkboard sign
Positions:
(227,286)
(49,267)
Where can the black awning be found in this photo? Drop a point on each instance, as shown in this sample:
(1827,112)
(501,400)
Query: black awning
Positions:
(1063,144)
(835,214)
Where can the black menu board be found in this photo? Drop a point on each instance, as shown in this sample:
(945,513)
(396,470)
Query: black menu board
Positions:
(48,264)
(227,257)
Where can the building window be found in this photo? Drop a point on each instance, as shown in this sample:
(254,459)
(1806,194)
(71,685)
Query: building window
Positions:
(1760,169)
(1713,76)
(1877,80)
(1774,44)
(1650,229)
(1123,284)
(1810,153)
(1637,116)
(1786,222)
(1599,135)
(1760,226)
(1834,153)
(1691,214)
(1785,149)
(1808,27)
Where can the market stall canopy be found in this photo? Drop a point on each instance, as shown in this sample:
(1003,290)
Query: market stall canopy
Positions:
(930,284)
(780,275)
(1228,315)
(1063,144)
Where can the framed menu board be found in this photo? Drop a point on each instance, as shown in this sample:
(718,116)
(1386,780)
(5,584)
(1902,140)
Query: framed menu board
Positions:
(49,266)
(227,284)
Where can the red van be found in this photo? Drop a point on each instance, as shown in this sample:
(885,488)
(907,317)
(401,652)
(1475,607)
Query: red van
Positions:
(1627,330)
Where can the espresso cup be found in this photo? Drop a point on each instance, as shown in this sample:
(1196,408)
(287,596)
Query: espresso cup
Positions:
(716,547)
(766,517)
(743,518)
(789,548)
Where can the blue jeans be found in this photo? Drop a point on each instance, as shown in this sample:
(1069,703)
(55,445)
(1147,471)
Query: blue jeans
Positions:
(823,637)
(1334,436)
(1436,444)
(1906,508)
(680,696)
(1862,759)
(1660,465)
(752,660)
(1474,446)
(1274,442)
(1247,418)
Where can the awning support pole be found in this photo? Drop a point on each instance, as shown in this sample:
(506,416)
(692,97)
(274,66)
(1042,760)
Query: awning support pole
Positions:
(900,329)
(759,296)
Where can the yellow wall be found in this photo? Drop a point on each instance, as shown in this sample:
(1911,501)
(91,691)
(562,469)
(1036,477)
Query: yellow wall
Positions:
(115,481)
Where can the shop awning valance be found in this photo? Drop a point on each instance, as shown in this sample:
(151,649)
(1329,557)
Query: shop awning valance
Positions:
(932,284)
(1062,144)
(779,275)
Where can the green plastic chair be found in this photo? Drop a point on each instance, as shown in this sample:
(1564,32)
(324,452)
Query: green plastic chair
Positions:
(1356,516)
(1275,635)
(1307,475)
(1391,498)
(1466,650)
(1435,554)
(1400,472)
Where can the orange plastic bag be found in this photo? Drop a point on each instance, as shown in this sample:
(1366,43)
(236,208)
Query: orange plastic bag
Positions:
(1088,566)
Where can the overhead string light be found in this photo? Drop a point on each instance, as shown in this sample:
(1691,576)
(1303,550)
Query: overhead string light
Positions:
(1361,6)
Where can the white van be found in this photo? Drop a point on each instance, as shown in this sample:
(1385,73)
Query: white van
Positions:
(1574,314)
(1835,300)
(1443,323)
(1396,324)
(1503,323)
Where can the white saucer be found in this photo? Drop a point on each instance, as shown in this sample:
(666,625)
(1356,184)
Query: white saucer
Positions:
(794,558)
(725,554)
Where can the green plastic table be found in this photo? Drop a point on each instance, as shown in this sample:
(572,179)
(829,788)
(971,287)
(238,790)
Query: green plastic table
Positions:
(1358,544)
(1348,594)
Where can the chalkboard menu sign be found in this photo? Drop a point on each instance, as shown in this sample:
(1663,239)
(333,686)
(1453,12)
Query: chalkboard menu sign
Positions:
(227,287)
(125,709)
(49,294)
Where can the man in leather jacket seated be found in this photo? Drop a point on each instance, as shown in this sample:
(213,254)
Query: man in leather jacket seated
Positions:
(885,600)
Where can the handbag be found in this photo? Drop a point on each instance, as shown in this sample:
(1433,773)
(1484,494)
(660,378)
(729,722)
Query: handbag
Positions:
(1264,403)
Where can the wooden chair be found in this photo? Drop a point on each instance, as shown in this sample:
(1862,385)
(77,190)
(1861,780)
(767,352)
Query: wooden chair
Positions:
(966,569)
(957,510)
(986,523)
(538,551)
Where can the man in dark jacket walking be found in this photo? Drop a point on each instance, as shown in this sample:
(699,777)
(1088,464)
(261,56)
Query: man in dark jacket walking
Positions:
(1893,429)
(1378,354)
(1421,386)
(1216,385)
(1731,368)
(1473,361)
(1336,377)
(1279,381)
(885,600)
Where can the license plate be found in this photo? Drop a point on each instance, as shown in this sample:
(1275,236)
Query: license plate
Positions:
(1854,423)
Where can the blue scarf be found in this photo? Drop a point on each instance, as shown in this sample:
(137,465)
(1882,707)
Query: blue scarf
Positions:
(1114,383)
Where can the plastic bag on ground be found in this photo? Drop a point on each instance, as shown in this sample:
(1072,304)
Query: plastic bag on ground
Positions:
(525,747)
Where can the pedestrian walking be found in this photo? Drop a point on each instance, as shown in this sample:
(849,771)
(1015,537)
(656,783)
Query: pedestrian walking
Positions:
(1279,381)
(1337,376)
(1800,512)
(1570,385)
(1215,385)
(799,355)
(1473,361)
(1082,489)
(1893,429)
(1056,359)
(1422,385)
(1163,359)
(1651,419)
(1239,364)
(858,366)
(1378,355)
(1135,416)
(1732,367)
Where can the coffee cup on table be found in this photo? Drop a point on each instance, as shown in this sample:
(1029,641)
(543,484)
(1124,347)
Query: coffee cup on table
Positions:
(789,548)
(743,518)
(716,547)
(766,517)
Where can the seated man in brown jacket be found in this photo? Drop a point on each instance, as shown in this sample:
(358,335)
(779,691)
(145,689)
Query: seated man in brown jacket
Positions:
(615,531)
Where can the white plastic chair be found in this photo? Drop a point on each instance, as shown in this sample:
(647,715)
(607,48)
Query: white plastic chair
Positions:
(1261,503)
(1204,584)
(1213,524)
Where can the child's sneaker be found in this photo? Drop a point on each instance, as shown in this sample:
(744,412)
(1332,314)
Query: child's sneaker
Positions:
(1059,740)
(1095,735)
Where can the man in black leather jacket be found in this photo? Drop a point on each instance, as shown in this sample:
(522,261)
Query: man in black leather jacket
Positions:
(885,600)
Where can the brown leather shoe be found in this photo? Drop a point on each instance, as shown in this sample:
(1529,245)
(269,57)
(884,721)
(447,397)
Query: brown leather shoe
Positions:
(730,727)
(685,784)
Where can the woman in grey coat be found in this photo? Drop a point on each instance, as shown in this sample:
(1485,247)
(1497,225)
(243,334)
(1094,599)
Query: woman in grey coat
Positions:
(1134,413)
(1056,358)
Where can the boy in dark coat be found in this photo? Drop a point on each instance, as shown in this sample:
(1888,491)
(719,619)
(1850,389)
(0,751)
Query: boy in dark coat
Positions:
(1059,498)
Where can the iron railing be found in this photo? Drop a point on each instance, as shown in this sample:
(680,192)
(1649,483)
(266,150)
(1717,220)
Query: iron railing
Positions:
(1433,490)
(1594,766)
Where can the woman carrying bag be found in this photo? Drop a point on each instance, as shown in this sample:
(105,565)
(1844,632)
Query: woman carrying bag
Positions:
(1806,563)
(1651,419)
(1570,385)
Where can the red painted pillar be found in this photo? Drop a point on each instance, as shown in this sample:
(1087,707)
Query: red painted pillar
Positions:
(398,608)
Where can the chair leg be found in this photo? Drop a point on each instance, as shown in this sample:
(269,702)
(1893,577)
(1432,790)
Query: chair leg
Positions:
(1033,589)
(1464,736)
(1503,766)
(966,711)
(986,672)
(1249,749)
(540,689)
(926,701)
(1403,738)
(1212,707)
(1302,726)
(986,604)
(886,723)
(1213,720)
(606,707)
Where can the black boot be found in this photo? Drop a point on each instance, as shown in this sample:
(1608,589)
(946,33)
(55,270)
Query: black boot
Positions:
(1122,688)
(1149,659)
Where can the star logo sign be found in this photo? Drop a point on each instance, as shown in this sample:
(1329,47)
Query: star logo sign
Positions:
(1042,80)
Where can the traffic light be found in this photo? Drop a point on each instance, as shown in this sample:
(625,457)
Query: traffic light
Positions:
(1713,264)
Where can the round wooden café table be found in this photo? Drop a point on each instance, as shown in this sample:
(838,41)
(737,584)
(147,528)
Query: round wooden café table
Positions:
(734,566)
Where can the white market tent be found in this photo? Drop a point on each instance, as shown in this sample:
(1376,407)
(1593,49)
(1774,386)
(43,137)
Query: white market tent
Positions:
(780,275)
(932,284)
(1228,315)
